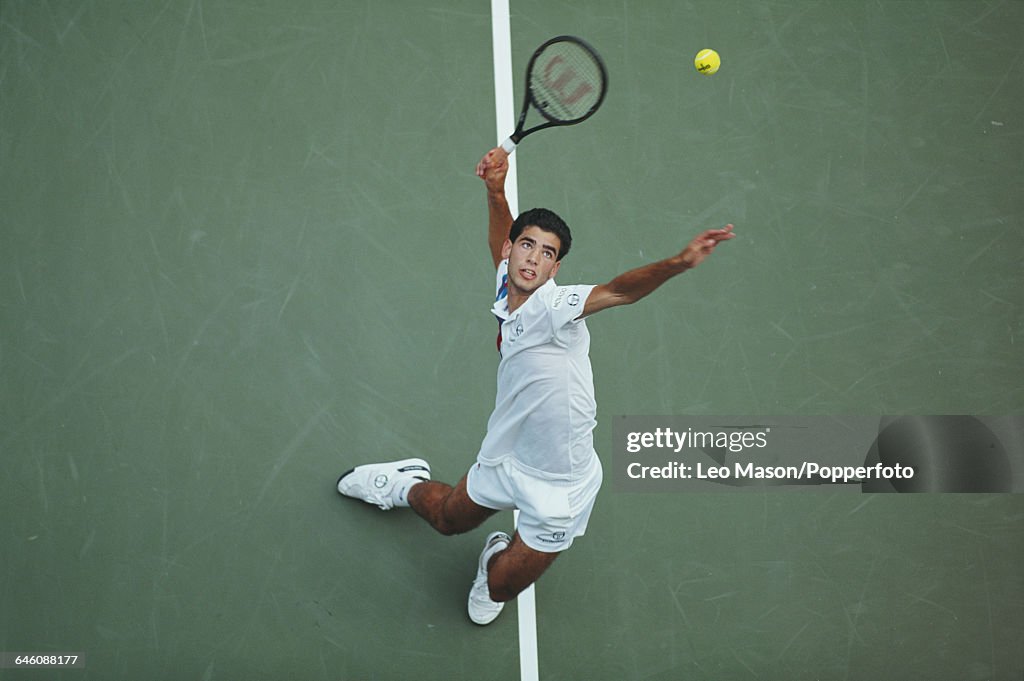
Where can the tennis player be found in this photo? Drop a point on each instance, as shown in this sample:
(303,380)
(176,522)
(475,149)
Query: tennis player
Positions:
(538,454)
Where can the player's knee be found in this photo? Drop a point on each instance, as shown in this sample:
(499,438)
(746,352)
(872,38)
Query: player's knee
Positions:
(448,528)
(502,591)
(450,524)
(503,594)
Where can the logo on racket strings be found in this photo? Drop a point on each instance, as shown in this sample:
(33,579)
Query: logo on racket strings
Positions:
(559,77)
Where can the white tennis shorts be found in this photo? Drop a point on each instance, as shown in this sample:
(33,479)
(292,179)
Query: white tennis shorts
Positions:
(552,513)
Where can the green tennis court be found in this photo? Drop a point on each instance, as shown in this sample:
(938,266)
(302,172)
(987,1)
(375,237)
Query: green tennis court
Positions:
(243,249)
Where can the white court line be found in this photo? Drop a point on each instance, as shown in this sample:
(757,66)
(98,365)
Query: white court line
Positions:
(504,105)
(504,108)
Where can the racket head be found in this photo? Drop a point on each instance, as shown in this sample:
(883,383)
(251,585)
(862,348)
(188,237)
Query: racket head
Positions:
(566,80)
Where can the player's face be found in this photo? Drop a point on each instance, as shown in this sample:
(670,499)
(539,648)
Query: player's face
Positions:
(532,259)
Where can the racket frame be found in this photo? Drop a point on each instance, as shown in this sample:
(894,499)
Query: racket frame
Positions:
(528,97)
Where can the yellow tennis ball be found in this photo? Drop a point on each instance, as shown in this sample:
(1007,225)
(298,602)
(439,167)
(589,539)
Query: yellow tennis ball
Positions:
(707,62)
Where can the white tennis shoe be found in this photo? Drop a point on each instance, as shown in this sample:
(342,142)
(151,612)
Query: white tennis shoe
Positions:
(376,483)
(482,610)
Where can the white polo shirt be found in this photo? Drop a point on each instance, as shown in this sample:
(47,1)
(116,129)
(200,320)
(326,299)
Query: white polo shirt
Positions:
(545,411)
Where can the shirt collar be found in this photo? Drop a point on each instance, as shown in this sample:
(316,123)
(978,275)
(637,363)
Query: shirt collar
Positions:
(500,307)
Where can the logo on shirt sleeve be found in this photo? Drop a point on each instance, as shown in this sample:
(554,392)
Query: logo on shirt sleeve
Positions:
(566,295)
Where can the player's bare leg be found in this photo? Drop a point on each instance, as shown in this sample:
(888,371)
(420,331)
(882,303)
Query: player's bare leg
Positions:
(506,567)
(509,572)
(449,510)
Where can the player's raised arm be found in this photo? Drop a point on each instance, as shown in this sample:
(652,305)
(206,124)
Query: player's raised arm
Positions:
(633,285)
(493,168)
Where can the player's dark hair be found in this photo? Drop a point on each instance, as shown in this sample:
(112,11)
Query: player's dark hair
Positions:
(548,221)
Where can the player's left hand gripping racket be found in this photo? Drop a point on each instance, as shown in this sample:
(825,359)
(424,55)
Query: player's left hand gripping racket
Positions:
(566,81)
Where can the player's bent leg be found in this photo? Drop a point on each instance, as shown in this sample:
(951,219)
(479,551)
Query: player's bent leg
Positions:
(506,567)
(449,510)
(481,608)
(516,568)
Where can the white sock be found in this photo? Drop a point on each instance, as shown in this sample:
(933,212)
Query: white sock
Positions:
(494,550)
(400,493)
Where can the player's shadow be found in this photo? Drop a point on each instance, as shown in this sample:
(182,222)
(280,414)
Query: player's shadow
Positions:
(947,453)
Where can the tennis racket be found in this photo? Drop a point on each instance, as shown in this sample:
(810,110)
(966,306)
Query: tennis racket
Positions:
(566,81)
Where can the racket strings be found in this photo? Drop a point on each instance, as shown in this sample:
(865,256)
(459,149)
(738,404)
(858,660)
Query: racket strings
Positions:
(566,82)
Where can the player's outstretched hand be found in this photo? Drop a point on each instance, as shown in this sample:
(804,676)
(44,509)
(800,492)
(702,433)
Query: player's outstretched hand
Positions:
(493,168)
(703,245)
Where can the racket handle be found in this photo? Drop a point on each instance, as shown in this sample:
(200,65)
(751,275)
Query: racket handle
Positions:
(508,145)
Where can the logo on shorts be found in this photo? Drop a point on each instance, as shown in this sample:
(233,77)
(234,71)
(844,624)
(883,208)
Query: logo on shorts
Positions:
(552,538)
